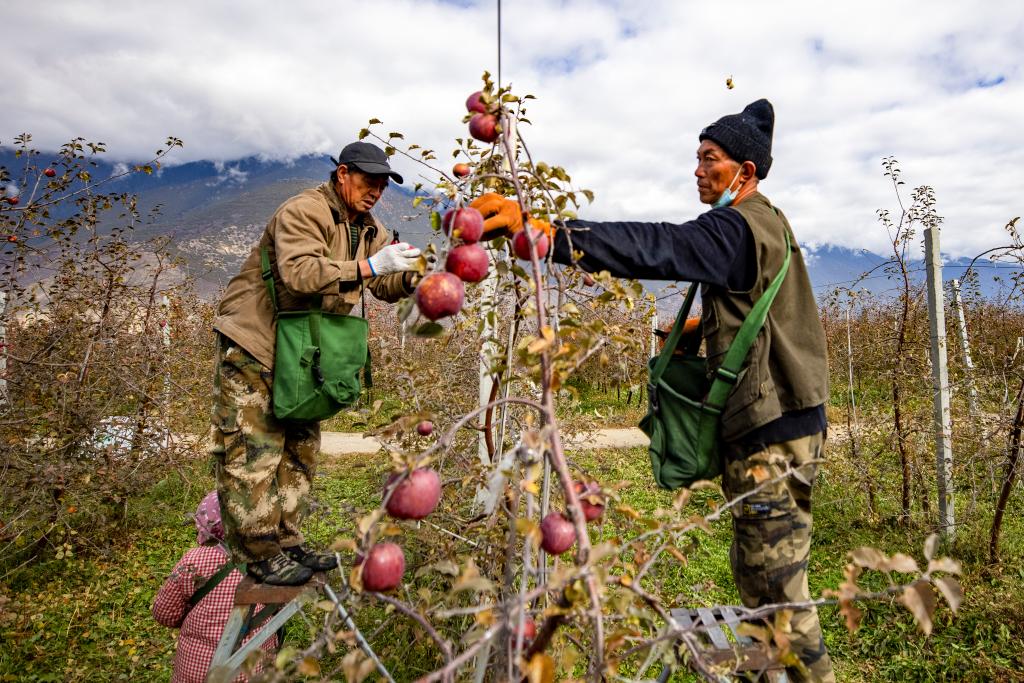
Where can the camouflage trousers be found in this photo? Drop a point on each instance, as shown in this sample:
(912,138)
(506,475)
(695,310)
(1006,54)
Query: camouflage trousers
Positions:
(264,467)
(772,539)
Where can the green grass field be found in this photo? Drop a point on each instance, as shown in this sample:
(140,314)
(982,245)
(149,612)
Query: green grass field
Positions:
(87,618)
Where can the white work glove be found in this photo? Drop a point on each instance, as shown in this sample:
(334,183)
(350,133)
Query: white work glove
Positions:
(394,258)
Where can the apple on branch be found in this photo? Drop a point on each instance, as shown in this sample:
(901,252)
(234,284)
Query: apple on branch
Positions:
(440,295)
(469,262)
(416,496)
(466,224)
(557,534)
(484,127)
(521,243)
(383,567)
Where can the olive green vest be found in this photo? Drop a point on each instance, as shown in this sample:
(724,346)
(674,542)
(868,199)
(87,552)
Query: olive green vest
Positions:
(787,367)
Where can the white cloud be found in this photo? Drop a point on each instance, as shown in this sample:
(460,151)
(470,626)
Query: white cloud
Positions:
(623,88)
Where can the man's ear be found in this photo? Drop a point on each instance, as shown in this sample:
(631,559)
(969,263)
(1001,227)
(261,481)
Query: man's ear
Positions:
(748,171)
(341,171)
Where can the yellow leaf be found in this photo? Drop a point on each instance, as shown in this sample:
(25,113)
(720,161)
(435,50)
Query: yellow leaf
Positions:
(342,543)
(751,630)
(283,657)
(675,552)
(541,669)
(929,546)
(950,589)
(919,599)
(944,564)
(538,345)
(628,511)
(485,618)
(867,557)
(524,526)
(900,563)
(309,667)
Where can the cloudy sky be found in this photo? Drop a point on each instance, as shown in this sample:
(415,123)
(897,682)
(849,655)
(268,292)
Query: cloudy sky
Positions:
(623,89)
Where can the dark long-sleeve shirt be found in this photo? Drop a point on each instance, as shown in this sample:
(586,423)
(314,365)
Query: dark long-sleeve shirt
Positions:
(716,248)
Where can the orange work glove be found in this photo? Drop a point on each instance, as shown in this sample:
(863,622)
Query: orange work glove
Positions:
(543,226)
(501,216)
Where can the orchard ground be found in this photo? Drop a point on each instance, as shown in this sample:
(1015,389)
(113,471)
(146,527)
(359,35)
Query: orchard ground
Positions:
(88,619)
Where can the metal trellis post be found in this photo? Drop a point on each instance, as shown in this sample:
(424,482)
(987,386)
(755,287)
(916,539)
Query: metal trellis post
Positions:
(940,383)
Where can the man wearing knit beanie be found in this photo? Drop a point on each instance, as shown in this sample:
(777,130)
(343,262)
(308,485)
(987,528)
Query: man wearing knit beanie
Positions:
(773,420)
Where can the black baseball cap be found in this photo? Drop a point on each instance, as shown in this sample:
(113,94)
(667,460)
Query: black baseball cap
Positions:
(367,158)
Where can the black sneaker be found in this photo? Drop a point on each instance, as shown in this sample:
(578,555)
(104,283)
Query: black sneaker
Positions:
(279,570)
(318,562)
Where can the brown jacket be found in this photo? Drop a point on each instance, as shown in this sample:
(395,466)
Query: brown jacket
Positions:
(787,366)
(308,242)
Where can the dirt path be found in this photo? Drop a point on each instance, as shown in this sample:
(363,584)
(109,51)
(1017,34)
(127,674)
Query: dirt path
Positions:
(341,443)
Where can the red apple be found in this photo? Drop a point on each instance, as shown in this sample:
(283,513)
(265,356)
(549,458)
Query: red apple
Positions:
(12,200)
(12,238)
(49,173)
(521,243)
(383,567)
(466,224)
(460,170)
(440,295)
(425,428)
(557,534)
(588,281)
(590,510)
(529,628)
(417,495)
(484,127)
(475,102)
(469,262)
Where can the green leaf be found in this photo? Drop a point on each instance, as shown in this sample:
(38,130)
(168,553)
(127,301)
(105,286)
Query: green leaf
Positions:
(373,121)
(396,135)
(405,307)
(363,133)
(430,329)
(435,221)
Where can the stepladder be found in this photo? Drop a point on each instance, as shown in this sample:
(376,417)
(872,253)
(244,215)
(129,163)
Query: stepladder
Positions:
(280,603)
(722,647)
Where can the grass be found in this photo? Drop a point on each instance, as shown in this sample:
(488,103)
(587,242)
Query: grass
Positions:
(87,618)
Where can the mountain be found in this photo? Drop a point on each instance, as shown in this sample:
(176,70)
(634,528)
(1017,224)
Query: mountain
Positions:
(215,212)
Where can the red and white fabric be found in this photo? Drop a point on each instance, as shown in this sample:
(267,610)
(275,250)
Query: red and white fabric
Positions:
(204,624)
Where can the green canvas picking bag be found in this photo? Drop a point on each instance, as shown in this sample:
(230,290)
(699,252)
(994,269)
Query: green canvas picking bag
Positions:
(317,358)
(685,405)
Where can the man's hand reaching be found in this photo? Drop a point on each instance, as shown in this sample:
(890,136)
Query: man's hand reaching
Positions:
(394,258)
(503,216)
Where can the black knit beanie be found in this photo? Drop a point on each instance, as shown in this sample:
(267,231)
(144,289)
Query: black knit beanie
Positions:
(746,136)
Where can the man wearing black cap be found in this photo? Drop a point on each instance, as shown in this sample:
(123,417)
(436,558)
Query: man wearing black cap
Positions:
(774,418)
(323,242)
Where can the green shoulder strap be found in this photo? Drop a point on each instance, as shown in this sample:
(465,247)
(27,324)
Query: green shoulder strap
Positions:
(673,338)
(727,373)
(268,276)
(213,582)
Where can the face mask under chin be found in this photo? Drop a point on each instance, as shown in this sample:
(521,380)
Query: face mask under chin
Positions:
(729,195)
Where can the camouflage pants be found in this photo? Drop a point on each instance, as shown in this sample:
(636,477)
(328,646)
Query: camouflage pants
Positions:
(264,467)
(772,539)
